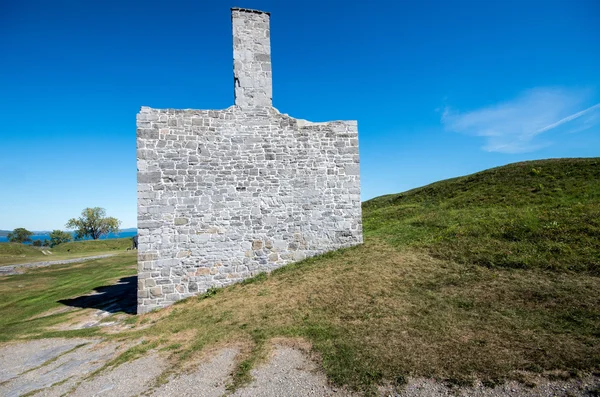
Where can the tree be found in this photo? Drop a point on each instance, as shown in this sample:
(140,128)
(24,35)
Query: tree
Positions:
(20,235)
(59,237)
(37,243)
(94,223)
(46,243)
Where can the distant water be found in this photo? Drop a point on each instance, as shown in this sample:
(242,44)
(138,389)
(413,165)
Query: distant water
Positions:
(42,237)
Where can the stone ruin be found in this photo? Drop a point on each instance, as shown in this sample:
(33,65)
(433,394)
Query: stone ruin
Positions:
(226,194)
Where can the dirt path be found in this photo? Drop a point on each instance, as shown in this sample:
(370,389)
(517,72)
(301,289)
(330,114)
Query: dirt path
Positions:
(56,367)
(7,270)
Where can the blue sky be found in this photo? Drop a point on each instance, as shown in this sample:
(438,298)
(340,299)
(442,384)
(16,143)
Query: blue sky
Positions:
(439,88)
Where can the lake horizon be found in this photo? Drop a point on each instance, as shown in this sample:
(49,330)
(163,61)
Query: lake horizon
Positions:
(109,236)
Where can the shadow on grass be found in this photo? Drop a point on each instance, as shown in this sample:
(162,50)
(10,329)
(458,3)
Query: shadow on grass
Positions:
(119,297)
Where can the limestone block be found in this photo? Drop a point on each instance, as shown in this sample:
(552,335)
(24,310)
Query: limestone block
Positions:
(156,291)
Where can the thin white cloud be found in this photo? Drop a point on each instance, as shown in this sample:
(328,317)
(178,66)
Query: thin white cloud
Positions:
(569,118)
(516,126)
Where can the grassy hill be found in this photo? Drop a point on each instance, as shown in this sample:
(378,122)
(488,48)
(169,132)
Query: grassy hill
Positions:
(490,276)
(114,244)
(14,253)
(543,214)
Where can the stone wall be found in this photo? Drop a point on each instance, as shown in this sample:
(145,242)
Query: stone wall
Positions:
(224,195)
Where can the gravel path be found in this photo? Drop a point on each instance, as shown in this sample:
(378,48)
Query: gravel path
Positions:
(429,387)
(14,269)
(129,379)
(57,367)
(209,379)
(288,373)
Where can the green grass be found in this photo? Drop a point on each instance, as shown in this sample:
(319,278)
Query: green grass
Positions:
(24,297)
(115,244)
(480,277)
(537,214)
(14,253)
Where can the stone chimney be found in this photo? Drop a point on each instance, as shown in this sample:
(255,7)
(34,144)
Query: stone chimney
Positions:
(251,58)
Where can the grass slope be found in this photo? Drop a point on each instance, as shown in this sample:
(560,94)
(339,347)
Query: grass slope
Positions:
(113,244)
(536,214)
(14,253)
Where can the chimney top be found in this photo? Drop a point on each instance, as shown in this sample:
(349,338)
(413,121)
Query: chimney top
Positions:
(251,58)
(249,10)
